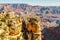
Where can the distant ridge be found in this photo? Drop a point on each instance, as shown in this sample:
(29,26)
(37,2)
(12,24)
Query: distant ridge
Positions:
(45,12)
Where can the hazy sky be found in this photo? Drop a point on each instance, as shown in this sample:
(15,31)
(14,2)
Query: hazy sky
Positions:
(34,2)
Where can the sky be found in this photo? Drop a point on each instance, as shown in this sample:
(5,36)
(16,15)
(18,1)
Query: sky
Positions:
(33,2)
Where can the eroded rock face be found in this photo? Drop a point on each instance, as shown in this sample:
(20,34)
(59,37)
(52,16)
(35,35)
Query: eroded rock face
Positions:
(33,28)
(17,28)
